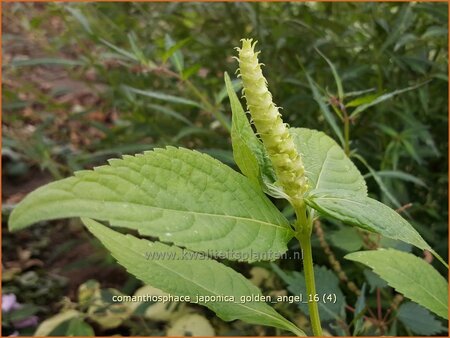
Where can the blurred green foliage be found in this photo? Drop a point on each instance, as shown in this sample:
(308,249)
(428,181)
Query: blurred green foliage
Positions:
(152,75)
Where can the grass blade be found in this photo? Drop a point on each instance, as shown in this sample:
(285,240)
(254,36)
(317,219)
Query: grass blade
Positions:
(384,97)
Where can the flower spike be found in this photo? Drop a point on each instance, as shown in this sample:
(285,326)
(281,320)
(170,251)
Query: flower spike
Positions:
(273,131)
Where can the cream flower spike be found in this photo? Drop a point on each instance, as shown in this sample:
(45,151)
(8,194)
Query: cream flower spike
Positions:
(275,135)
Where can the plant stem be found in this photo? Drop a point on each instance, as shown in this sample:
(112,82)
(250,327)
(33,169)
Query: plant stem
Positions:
(347,135)
(305,243)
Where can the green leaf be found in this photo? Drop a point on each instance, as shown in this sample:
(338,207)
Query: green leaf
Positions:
(181,277)
(390,243)
(24,312)
(384,97)
(360,309)
(409,275)
(366,213)
(170,112)
(178,195)
(248,151)
(336,76)
(162,96)
(54,325)
(191,70)
(410,149)
(400,175)
(324,109)
(245,144)
(374,280)
(120,51)
(189,131)
(419,320)
(326,165)
(363,100)
(326,284)
(132,39)
(404,19)
(435,31)
(78,327)
(346,239)
(359,92)
(225,156)
(173,52)
(45,62)
(81,18)
(236,85)
(380,182)
(404,40)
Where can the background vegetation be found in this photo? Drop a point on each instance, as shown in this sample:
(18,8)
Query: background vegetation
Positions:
(86,82)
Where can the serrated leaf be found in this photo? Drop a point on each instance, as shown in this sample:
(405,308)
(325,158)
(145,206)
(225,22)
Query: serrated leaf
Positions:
(178,195)
(409,275)
(419,320)
(181,277)
(366,213)
(326,165)
(326,283)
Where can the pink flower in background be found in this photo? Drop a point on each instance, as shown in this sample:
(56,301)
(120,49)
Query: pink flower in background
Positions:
(9,303)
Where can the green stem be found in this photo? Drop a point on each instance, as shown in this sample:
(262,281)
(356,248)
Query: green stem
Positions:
(347,135)
(305,242)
